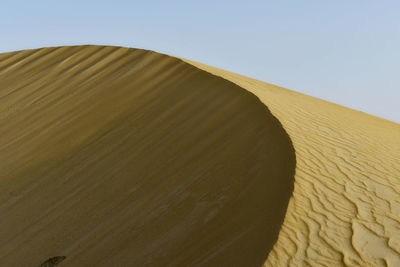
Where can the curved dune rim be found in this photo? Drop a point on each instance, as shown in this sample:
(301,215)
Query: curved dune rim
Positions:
(275,121)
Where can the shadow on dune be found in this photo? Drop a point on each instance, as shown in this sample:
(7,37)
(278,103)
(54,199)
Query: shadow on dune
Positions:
(125,157)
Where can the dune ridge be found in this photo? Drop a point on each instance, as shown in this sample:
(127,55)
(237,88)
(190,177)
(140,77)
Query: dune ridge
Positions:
(345,208)
(112,156)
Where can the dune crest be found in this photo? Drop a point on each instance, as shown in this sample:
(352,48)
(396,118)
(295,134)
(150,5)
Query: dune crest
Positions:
(345,208)
(125,157)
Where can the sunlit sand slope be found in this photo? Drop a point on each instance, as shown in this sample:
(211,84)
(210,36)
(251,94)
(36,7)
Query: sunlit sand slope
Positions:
(123,157)
(345,208)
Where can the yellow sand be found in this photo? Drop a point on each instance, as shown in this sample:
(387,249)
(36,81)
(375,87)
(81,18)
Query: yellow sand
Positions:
(345,208)
(121,157)
(124,157)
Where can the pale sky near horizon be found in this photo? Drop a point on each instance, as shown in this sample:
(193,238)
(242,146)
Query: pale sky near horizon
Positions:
(344,51)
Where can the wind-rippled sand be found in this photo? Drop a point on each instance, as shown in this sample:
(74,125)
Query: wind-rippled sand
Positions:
(125,157)
(122,157)
(345,208)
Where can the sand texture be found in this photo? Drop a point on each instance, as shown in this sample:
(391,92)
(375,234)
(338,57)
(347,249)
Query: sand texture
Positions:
(122,157)
(125,157)
(345,208)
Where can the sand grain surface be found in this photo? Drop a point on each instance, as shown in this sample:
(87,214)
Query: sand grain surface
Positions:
(345,208)
(124,157)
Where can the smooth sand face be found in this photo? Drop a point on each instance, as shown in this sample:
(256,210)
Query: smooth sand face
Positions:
(345,208)
(123,157)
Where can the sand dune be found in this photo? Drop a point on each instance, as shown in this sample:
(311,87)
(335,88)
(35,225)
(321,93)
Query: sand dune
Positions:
(125,157)
(122,157)
(345,208)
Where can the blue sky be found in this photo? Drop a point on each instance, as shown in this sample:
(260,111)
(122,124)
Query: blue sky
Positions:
(344,51)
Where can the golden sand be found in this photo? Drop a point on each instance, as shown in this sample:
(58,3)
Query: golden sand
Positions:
(345,208)
(125,157)
(122,157)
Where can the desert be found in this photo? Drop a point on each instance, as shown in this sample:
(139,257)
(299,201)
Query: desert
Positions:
(114,156)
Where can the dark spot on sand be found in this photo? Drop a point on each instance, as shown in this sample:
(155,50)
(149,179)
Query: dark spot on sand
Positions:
(53,261)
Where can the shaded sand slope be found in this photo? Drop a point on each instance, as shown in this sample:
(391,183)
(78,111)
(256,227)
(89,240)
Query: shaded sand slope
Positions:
(345,208)
(124,157)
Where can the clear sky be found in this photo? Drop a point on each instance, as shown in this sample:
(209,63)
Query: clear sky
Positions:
(344,51)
